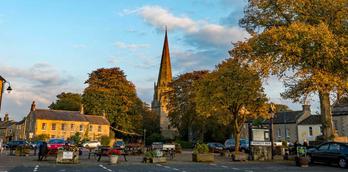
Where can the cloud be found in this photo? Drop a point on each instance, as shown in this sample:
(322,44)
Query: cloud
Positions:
(200,34)
(40,82)
(124,45)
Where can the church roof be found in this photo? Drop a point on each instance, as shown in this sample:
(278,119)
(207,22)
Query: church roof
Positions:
(165,72)
(287,117)
(311,120)
(340,107)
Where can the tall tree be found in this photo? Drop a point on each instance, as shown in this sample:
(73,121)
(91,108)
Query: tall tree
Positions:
(233,92)
(181,105)
(67,101)
(109,92)
(302,41)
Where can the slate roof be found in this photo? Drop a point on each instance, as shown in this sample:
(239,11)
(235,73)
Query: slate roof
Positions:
(311,120)
(68,116)
(287,117)
(340,107)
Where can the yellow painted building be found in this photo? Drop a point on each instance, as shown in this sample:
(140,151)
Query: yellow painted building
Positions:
(64,124)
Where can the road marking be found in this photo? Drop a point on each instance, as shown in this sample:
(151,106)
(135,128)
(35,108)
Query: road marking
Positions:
(36,168)
(102,166)
(223,166)
(235,168)
(166,167)
(159,165)
(248,170)
(175,169)
(212,164)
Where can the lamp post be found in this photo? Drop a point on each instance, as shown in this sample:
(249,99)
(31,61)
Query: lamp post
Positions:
(271,112)
(2,84)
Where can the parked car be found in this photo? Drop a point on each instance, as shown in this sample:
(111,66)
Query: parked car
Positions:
(330,152)
(91,144)
(243,145)
(36,144)
(16,143)
(216,147)
(55,143)
(119,144)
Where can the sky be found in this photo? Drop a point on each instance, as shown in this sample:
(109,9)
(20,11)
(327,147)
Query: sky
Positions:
(49,47)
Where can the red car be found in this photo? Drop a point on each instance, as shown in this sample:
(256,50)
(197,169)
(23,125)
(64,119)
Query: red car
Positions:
(55,144)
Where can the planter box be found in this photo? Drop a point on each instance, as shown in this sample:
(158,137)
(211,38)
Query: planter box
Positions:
(302,161)
(205,157)
(113,159)
(67,157)
(240,156)
(159,160)
(155,160)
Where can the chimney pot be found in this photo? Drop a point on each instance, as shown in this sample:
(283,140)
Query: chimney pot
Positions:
(33,106)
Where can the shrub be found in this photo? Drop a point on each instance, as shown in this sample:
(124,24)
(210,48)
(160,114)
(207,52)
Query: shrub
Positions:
(105,140)
(201,148)
(155,137)
(184,144)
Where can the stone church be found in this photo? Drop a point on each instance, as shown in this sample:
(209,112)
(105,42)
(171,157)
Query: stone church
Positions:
(160,98)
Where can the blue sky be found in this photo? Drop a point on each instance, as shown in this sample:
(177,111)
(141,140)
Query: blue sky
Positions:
(47,47)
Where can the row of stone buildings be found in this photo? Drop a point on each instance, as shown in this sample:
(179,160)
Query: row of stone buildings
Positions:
(54,124)
(304,126)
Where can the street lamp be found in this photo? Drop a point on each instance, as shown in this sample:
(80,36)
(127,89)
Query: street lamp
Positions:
(272,109)
(2,84)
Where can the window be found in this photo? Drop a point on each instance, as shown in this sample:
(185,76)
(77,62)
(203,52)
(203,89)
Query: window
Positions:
(81,127)
(63,127)
(324,147)
(310,131)
(99,128)
(287,133)
(72,126)
(43,126)
(53,126)
(90,128)
(334,147)
(279,132)
(53,136)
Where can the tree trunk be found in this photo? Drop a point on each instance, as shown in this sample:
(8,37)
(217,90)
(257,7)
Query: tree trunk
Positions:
(189,133)
(237,142)
(326,116)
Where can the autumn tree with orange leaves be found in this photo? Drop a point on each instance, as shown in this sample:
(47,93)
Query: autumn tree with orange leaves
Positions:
(303,42)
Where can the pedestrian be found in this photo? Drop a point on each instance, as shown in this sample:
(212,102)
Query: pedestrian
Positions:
(305,144)
(43,151)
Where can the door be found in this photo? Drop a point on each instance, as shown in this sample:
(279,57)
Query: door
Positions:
(334,152)
(320,153)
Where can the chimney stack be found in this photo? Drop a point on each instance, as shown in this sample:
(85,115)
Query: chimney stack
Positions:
(33,106)
(306,109)
(82,110)
(104,114)
(6,118)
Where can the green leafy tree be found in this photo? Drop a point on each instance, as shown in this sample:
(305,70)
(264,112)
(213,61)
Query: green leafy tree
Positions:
(303,42)
(76,138)
(181,105)
(150,121)
(282,108)
(67,101)
(232,92)
(109,92)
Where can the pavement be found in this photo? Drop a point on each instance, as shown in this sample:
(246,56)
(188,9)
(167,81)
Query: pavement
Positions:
(181,163)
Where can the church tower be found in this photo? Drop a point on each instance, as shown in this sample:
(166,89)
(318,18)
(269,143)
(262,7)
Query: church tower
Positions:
(160,100)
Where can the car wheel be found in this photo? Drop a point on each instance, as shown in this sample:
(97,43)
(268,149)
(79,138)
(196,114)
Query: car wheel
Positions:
(342,163)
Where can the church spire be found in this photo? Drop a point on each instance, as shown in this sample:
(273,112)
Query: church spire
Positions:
(165,72)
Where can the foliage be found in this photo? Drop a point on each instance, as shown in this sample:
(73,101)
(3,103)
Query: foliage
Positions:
(201,148)
(181,105)
(105,140)
(114,152)
(41,137)
(109,92)
(304,42)
(282,108)
(184,144)
(232,93)
(150,121)
(67,101)
(76,138)
(155,137)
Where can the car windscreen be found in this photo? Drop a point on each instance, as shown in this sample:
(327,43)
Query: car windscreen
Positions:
(56,141)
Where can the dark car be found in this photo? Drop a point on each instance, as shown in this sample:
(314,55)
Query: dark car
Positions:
(216,147)
(17,143)
(243,145)
(331,152)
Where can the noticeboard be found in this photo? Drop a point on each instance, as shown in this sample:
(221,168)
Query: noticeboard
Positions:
(67,155)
